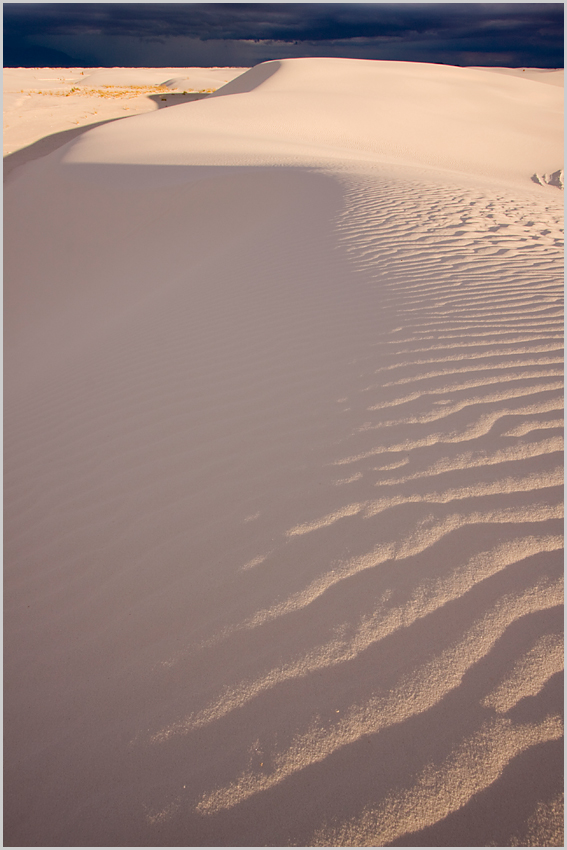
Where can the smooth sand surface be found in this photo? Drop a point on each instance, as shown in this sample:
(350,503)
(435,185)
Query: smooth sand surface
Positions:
(551,76)
(46,107)
(284,466)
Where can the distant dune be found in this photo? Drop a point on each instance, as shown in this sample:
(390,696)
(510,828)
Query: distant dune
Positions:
(283,464)
(46,107)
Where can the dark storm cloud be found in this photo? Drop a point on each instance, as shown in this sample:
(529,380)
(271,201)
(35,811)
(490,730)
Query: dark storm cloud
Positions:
(530,33)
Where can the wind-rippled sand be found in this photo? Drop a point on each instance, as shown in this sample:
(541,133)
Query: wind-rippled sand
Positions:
(284,467)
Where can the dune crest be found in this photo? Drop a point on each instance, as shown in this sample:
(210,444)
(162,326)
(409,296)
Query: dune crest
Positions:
(344,109)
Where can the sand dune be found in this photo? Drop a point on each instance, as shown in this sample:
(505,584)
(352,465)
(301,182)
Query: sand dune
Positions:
(45,108)
(284,467)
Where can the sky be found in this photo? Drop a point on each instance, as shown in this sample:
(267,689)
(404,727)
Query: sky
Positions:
(241,35)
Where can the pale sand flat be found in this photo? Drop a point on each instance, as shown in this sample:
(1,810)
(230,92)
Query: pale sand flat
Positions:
(283,467)
(550,76)
(47,107)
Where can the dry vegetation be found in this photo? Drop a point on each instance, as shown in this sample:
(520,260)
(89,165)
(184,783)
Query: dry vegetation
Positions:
(117,91)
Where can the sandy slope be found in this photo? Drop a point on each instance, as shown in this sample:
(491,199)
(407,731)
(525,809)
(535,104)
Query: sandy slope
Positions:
(63,102)
(550,76)
(283,467)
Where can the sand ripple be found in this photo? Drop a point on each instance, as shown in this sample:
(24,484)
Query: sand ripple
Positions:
(284,526)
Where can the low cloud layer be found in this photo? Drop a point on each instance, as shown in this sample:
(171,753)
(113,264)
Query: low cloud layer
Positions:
(160,34)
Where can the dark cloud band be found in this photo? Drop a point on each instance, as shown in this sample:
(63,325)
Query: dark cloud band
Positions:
(531,33)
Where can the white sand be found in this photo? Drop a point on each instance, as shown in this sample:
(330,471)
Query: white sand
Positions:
(46,107)
(283,466)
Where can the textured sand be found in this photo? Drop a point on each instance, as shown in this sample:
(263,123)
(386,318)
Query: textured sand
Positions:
(284,466)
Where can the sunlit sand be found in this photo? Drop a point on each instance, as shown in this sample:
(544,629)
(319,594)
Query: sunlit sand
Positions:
(284,456)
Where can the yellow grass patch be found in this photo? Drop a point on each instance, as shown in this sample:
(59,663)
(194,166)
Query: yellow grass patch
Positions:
(117,91)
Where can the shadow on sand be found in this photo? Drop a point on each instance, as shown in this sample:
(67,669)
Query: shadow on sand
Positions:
(48,144)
